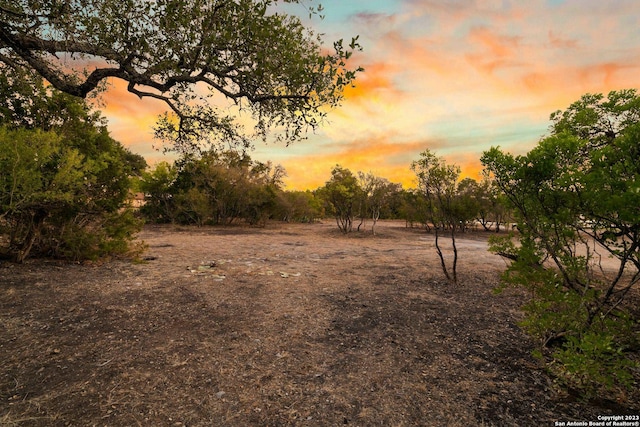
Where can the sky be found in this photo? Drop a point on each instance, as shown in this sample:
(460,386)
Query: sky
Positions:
(453,76)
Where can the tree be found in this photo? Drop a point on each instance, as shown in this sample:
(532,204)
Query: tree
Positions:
(576,197)
(206,189)
(438,183)
(212,188)
(414,208)
(468,202)
(27,186)
(159,206)
(492,208)
(392,207)
(376,192)
(185,54)
(60,200)
(262,193)
(342,192)
(301,206)
(481,202)
(65,182)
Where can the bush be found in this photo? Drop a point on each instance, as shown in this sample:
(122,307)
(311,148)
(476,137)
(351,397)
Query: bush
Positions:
(576,198)
(57,201)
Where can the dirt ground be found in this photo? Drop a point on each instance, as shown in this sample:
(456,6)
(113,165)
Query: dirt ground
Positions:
(289,324)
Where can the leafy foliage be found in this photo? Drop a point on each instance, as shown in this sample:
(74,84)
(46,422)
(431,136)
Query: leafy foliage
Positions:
(63,175)
(214,188)
(58,200)
(157,188)
(414,208)
(299,206)
(576,196)
(188,54)
(343,194)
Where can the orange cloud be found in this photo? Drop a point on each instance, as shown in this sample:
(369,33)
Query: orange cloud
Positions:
(492,52)
(376,78)
(383,157)
(470,166)
(558,85)
(604,73)
(496,46)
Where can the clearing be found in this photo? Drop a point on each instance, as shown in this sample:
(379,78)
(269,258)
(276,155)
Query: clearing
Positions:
(291,324)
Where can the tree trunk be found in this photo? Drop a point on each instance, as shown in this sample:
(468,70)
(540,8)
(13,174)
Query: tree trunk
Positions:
(441,256)
(375,217)
(35,224)
(455,256)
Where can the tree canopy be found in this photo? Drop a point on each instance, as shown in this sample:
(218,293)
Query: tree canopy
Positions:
(185,54)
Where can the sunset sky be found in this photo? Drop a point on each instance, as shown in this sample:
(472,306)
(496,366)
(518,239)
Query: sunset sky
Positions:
(453,76)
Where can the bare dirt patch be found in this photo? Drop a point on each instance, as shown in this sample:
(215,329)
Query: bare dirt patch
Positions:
(283,325)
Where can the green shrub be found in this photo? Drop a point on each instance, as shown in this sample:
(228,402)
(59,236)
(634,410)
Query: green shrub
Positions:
(576,198)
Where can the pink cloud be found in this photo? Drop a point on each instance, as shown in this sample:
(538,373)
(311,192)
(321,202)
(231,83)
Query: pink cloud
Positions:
(495,45)
(557,41)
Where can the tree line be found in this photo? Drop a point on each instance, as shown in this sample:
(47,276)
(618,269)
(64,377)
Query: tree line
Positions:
(221,188)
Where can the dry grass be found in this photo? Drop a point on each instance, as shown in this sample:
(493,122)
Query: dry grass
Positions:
(286,325)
